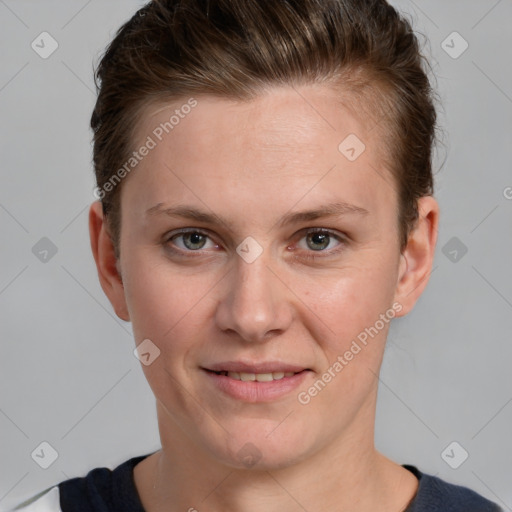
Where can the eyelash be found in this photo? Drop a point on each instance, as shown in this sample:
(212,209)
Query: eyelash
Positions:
(310,255)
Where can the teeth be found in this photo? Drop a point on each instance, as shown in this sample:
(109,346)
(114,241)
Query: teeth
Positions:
(260,377)
(264,377)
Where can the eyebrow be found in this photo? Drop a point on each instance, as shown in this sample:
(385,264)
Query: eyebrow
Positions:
(328,210)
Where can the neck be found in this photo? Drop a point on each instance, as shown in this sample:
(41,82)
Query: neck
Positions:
(347,474)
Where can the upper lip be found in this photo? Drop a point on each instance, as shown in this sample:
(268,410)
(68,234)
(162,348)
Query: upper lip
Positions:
(262,367)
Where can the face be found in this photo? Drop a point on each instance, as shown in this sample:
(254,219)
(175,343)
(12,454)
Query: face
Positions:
(224,271)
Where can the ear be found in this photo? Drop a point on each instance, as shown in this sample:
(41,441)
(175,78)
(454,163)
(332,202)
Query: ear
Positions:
(417,257)
(107,264)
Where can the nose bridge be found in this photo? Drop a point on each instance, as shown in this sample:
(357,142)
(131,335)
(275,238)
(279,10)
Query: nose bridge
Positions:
(253,303)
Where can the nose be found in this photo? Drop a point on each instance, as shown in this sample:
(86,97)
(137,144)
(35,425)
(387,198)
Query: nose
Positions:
(254,302)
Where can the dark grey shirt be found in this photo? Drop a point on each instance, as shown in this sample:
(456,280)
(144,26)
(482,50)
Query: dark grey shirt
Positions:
(106,490)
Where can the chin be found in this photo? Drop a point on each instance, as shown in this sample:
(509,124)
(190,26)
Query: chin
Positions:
(261,446)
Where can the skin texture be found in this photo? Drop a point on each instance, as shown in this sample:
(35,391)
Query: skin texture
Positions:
(251,163)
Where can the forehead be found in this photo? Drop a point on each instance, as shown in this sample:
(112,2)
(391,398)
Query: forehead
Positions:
(288,143)
(280,116)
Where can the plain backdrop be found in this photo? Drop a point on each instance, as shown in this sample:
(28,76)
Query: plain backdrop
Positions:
(68,376)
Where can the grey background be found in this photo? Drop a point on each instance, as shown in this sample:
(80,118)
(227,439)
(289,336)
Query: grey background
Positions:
(68,375)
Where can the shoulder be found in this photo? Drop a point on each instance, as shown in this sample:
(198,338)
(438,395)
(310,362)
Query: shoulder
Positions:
(45,501)
(437,495)
(101,490)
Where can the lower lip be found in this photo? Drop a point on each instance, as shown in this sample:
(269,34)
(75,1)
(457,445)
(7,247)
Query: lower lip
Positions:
(254,391)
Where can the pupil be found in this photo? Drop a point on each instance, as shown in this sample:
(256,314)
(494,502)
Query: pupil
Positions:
(320,238)
(195,238)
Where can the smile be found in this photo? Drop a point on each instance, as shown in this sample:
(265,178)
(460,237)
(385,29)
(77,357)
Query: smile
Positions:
(260,377)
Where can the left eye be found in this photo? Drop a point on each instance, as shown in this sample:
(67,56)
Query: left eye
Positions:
(319,240)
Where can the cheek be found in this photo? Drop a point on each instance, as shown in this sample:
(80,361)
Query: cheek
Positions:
(157,298)
(166,307)
(347,301)
(352,341)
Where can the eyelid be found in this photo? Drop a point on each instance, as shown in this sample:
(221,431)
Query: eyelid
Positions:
(315,229)
(181,231)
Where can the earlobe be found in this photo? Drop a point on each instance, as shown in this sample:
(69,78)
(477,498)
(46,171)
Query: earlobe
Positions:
(417,258)
(107,265)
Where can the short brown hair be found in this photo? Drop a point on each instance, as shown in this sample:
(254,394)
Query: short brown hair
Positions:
(235,48)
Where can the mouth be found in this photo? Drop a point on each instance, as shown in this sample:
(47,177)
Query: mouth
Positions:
(263,382)
(256,377)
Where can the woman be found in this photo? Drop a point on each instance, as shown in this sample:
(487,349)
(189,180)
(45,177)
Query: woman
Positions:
(266,209)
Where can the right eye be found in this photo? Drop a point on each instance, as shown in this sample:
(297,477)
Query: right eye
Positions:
(192,240)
